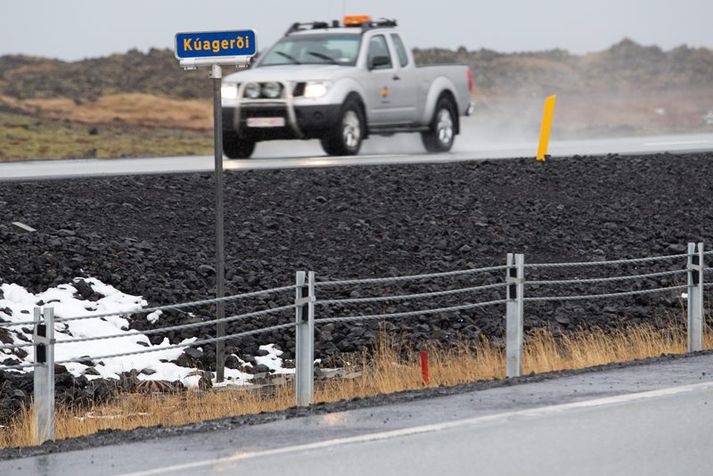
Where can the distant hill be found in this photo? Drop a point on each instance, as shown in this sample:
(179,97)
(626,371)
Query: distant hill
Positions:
(626,65)
(156,72)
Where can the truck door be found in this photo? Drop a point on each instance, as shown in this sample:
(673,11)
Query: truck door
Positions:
(405,95)
(379,83)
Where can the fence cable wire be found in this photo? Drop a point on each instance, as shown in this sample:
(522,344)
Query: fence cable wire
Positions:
(182,344)
(16,346)
(157,308)
(607,295)
(603,263)
(410,313)
(15,324)
(346,282)
(604,280)
(409,296)
(179,327)
(168,307)
(15,367)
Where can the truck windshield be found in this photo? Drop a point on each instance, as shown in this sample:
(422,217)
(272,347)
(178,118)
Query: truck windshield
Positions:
(340,49)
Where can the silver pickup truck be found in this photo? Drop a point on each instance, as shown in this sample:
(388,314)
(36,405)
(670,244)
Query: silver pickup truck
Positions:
(339,83)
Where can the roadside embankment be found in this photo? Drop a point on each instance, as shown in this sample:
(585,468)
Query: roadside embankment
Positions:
(152,236)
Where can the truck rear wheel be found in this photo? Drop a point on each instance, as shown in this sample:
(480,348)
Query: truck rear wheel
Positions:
(442,131)
(236,148)
(346,137)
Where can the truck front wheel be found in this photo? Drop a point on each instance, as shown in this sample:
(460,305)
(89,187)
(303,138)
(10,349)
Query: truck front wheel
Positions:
(236,148)
(442,131)
(347,135)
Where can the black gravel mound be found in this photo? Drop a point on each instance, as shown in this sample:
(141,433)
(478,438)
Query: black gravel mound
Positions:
(153,236)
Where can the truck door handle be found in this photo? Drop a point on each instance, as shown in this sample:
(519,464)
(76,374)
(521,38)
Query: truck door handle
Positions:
(396,77)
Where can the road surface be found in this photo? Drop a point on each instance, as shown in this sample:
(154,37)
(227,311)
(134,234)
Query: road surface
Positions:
(649,419)
(296,154)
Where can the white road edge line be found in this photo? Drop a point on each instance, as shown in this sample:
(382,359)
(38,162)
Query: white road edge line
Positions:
(686,142)
(531,412)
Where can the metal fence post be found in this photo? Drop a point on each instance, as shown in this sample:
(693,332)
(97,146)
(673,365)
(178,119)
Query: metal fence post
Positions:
(515,309)
(43,338)
(304,348)
(695,297)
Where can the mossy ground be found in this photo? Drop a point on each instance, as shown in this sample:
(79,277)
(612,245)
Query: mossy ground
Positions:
(23,137)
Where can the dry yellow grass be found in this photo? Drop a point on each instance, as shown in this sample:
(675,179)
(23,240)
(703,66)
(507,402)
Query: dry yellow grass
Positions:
(390,368)
(137,109)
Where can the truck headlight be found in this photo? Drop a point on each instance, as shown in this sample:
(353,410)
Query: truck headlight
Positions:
(252,90)
(316,89)
(271,90)
(229,91)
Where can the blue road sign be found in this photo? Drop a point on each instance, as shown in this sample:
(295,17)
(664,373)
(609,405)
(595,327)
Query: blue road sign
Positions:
(216,44)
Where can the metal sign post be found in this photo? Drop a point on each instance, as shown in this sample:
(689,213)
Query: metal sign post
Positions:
(217,74)
(215,49)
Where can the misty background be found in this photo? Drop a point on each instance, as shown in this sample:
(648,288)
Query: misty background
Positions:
(82,78)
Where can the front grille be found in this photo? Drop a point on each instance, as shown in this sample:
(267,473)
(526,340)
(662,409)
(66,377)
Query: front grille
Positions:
(248,111)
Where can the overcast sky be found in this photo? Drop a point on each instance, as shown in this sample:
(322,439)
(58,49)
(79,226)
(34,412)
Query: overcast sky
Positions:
(73,29)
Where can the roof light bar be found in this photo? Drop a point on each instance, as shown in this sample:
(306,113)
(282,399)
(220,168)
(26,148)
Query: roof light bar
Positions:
(356,20)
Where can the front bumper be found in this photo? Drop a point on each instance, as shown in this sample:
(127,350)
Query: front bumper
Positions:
(301,122)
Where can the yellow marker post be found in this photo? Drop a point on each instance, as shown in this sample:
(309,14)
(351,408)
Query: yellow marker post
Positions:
(546,127)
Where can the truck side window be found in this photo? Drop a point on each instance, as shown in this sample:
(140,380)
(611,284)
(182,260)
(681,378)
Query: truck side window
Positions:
(378,49)
(400,50)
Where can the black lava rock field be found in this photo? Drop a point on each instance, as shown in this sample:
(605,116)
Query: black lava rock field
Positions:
(154,236)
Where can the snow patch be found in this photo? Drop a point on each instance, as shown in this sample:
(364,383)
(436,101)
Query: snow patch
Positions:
(67,303)
(272,360)
(153,317)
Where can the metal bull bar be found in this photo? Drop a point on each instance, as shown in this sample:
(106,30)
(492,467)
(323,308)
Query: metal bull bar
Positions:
(288,101)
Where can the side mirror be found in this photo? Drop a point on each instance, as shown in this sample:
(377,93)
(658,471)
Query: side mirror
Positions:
(379,62)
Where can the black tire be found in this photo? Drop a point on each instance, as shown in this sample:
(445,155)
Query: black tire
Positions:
(236,148)
(442,131)
(346,137)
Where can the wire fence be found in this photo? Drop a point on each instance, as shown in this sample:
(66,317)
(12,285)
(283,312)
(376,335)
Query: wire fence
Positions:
(511,290)
(371,300)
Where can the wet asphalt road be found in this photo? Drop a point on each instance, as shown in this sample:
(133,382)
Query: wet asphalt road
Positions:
(655,418)
(377,151)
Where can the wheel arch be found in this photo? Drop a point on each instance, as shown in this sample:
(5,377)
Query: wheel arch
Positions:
(441,87)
